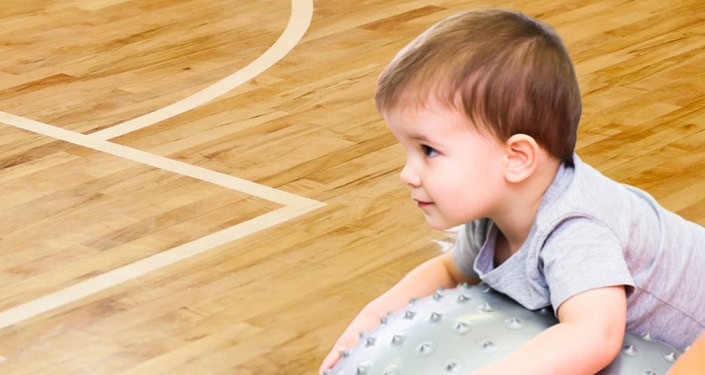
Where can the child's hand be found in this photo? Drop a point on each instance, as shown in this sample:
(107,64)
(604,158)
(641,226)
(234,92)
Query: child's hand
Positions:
(364,321)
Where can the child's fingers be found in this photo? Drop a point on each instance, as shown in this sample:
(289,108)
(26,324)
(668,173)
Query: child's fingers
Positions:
(348,339)
(331,359)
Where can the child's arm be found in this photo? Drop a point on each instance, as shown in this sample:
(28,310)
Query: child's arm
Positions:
(588,337)
(692,361)
(422,281)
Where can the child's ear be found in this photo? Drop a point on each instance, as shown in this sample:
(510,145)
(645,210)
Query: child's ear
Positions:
(521,154)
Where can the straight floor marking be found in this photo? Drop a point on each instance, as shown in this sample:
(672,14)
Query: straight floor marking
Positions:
(294,206)
(299,21)
(139,268)
(185,169)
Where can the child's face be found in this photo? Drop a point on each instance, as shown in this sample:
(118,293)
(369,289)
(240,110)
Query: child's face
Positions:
(455,174)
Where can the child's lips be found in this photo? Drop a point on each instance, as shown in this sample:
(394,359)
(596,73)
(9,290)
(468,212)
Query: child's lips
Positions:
(422,204)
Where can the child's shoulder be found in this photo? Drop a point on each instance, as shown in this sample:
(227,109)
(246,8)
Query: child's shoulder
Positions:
(579,190)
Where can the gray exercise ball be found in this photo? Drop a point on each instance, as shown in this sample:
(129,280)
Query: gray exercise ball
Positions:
(459,330)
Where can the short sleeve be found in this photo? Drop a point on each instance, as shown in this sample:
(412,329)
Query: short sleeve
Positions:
(583,254)
(471,237)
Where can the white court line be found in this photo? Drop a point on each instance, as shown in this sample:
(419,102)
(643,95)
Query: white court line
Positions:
(157,161)
(141,267)
(294,206)
(300,19)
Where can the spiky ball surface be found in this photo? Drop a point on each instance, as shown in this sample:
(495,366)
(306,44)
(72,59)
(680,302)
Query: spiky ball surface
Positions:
(462,329)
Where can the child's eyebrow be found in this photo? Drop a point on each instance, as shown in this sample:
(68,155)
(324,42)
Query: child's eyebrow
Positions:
(419,137)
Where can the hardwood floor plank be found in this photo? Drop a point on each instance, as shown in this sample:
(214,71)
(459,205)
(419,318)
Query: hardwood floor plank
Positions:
(274,301)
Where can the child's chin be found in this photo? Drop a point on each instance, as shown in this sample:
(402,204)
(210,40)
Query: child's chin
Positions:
(443,225)
(436,225)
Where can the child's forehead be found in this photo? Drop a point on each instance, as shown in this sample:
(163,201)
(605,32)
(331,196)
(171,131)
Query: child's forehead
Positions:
(437,125)
(424,118)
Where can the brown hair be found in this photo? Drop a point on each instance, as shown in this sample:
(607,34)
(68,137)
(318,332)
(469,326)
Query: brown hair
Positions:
(507,72)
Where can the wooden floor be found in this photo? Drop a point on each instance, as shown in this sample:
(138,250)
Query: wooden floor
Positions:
(149,251)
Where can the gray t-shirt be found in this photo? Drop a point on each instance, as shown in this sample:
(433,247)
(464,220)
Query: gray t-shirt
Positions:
(593,232)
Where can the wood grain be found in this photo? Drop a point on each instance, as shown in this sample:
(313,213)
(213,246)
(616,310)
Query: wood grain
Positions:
(275,301)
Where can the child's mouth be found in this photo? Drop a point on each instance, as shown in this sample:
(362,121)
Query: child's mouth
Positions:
(423,204)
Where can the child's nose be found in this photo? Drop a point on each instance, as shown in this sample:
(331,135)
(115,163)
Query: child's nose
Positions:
(409,177)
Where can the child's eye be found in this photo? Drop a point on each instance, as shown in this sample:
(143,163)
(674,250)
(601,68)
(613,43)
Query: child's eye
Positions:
(428,151)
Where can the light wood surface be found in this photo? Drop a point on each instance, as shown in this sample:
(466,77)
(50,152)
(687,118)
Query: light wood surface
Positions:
(272,302)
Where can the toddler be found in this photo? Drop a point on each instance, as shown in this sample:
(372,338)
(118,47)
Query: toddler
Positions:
(486,104)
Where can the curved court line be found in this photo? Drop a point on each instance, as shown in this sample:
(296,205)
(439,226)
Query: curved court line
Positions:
(300,19)
(294,205)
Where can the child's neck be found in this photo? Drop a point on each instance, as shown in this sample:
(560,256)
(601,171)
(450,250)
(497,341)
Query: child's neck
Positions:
(516,217)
